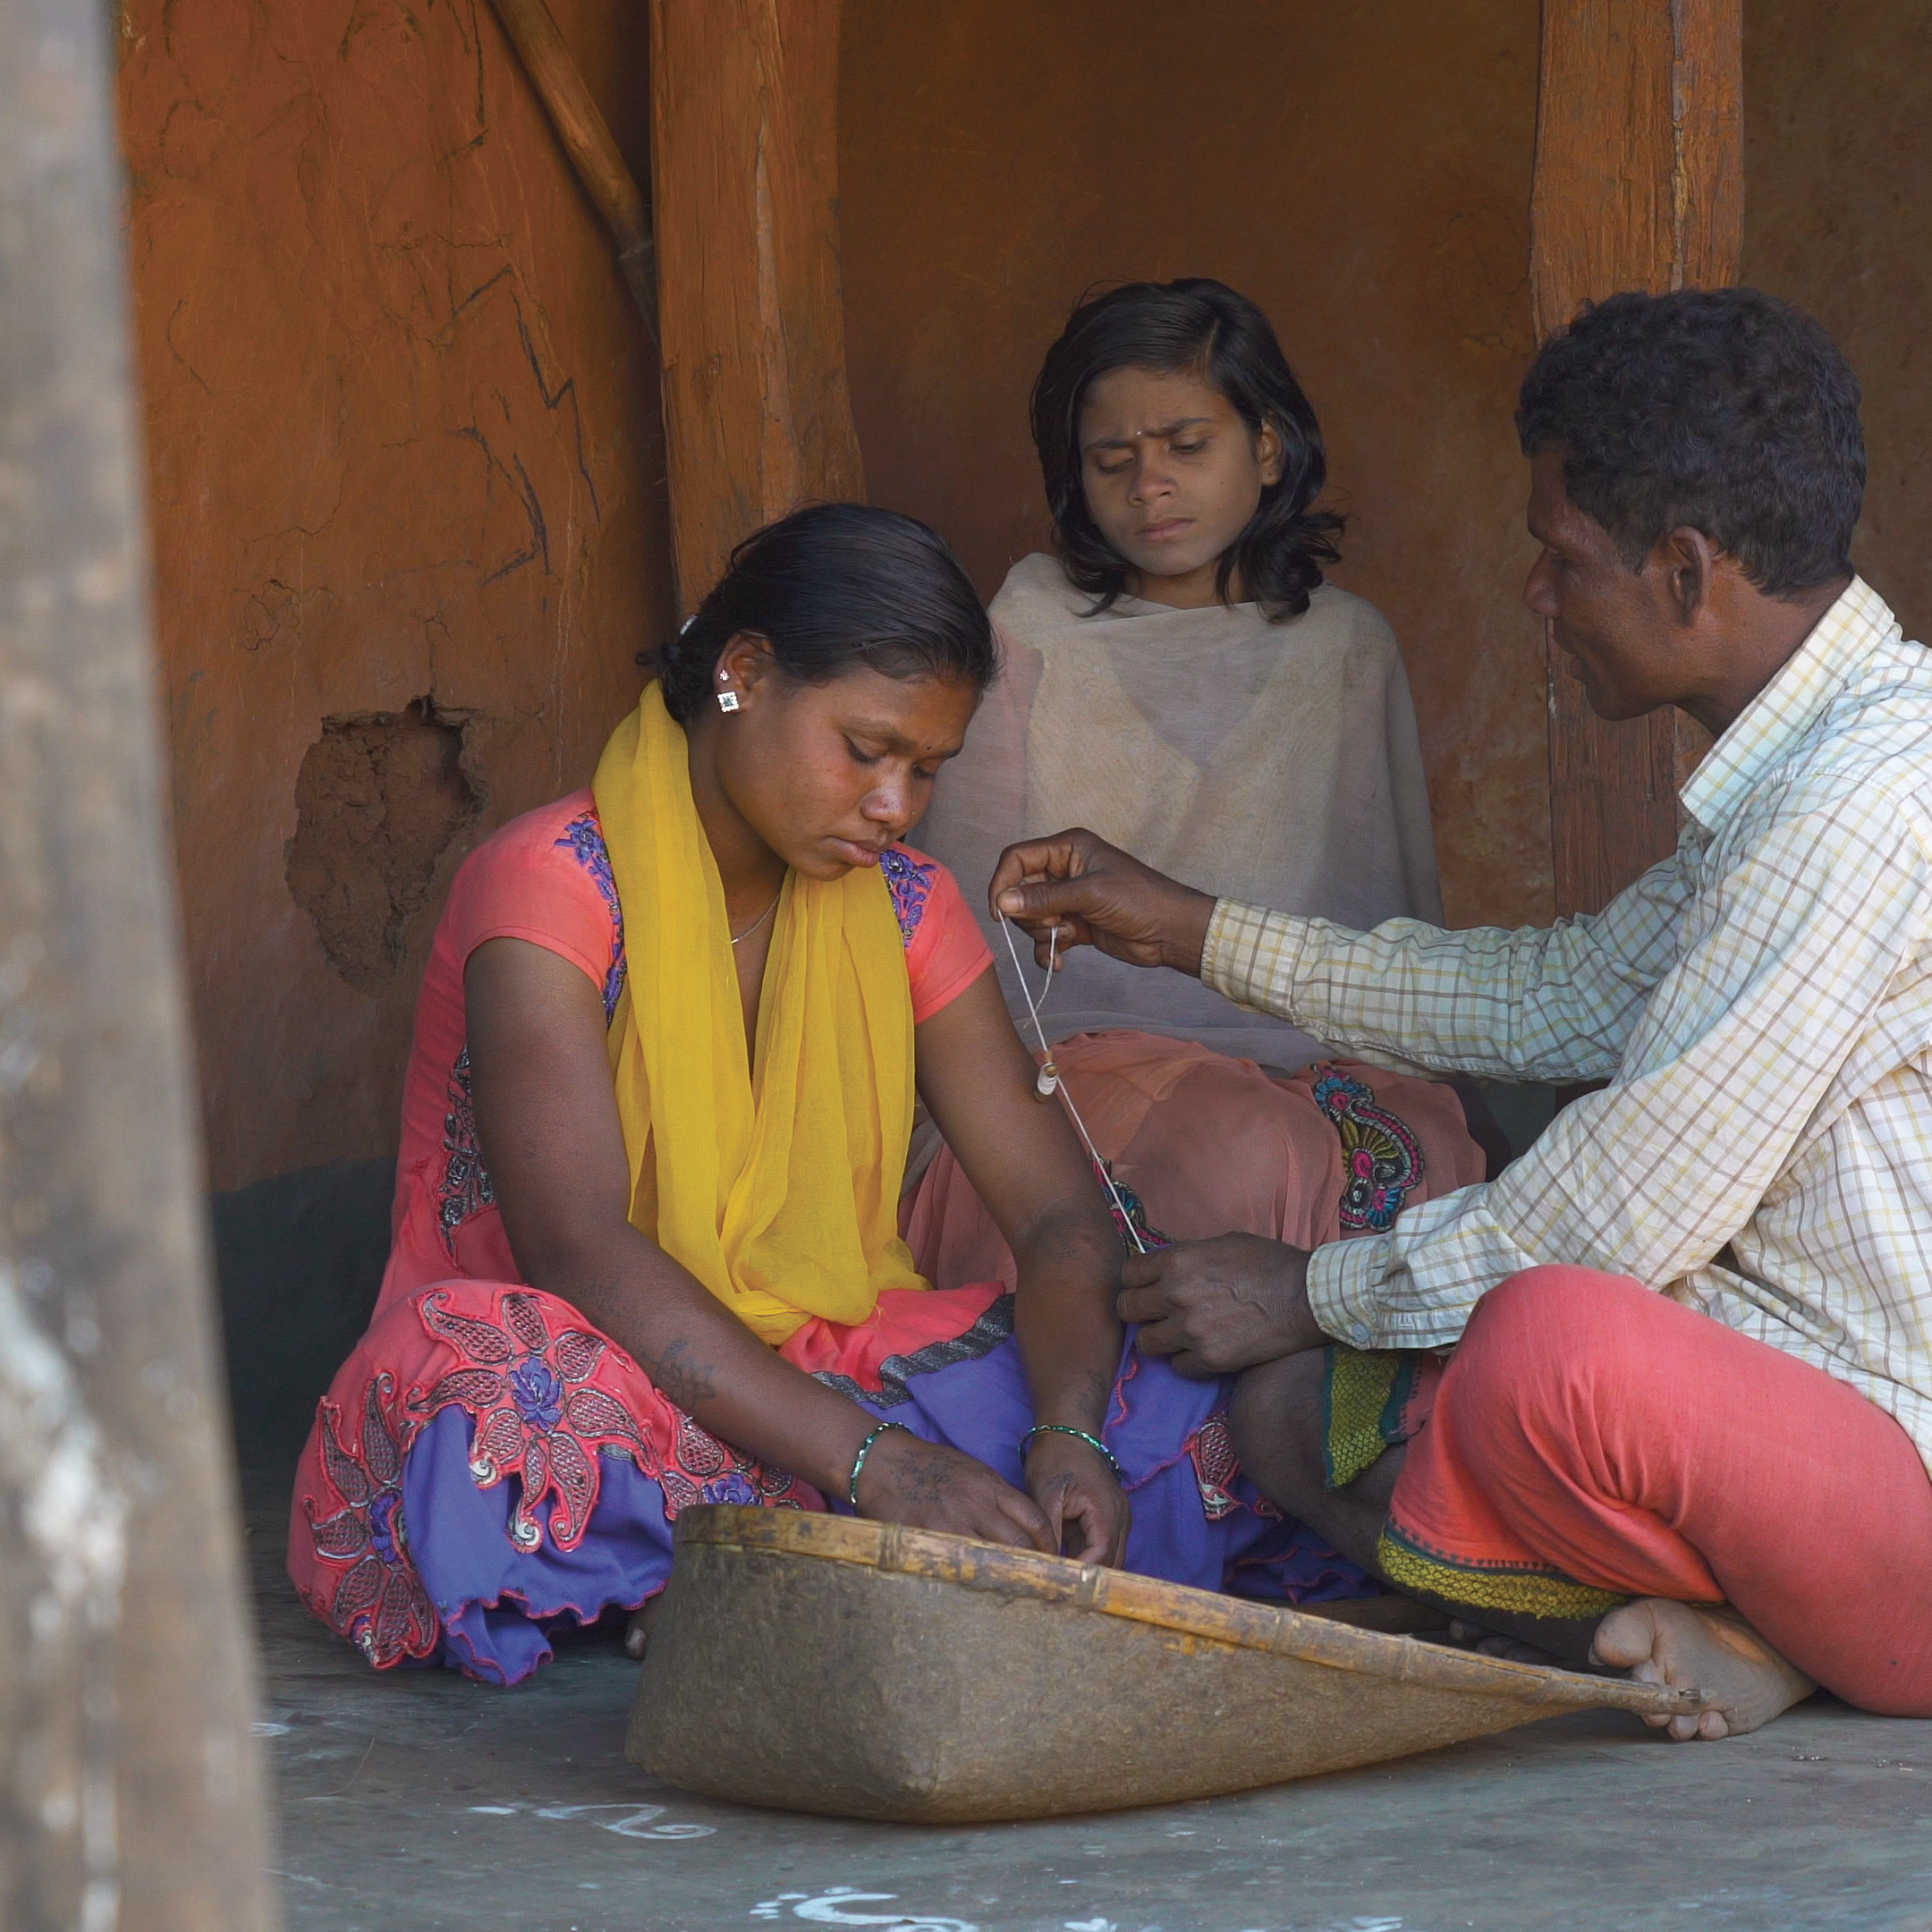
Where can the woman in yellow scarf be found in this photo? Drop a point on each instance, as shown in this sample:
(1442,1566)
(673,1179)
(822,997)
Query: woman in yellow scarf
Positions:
(647,1243)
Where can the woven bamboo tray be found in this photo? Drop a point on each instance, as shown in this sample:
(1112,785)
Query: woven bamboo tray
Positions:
(864,1670)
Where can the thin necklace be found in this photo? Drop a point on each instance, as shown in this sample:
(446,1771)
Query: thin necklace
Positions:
(763,916)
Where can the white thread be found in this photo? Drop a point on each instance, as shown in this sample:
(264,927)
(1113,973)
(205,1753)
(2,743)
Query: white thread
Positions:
(1045,1091)
(1046,1082)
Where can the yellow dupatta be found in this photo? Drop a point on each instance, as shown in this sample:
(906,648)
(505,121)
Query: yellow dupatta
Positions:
(776,1184)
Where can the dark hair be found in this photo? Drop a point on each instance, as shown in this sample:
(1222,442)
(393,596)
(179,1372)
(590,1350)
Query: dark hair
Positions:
(830,587)
(1723,410)
(1196,323)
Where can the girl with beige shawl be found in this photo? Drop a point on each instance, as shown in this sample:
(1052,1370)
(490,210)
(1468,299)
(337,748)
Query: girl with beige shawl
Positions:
(1180,680)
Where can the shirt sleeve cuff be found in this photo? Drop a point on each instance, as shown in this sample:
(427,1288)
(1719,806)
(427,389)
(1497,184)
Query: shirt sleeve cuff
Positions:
(1342,1277)
(1251,955)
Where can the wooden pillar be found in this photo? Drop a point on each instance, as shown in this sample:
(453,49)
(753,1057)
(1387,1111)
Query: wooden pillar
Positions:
(133,1796)
(744,211)
(1639,183)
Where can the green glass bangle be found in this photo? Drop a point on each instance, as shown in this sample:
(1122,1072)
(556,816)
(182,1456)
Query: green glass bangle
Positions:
(858,1461)
(1067,1428)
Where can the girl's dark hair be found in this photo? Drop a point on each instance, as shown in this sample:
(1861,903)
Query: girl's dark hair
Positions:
(831,587)
(1197,324)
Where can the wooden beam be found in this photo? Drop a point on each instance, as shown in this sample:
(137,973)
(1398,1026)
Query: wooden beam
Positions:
(745,187)
(133,1795)
(1639,183)
(587,139)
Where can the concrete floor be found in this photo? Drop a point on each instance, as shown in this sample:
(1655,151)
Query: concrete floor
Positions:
(417,1799)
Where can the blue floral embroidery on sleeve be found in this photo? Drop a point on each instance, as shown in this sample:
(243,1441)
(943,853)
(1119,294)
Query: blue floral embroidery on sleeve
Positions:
(909,881)
(584,837)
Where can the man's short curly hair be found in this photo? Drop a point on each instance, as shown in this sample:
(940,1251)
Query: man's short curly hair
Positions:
(1723,410)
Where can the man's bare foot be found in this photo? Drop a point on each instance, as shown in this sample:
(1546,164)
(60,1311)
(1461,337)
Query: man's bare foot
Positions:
(637,1633)
(1708,1648)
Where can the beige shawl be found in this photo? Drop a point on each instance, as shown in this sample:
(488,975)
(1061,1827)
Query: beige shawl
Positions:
(1273,763)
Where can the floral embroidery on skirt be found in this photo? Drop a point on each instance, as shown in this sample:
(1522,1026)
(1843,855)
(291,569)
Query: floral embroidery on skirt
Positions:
(378,1601)
(1382,1159)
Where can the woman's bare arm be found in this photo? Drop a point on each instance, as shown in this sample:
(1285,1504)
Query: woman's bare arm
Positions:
(547,1119)
(1027,1164)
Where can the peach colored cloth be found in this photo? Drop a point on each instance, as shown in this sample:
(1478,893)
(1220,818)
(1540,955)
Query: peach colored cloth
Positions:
(1212,1145)
(1589,1435)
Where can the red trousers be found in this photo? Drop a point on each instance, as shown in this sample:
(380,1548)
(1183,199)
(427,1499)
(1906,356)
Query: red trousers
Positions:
(1589,1440)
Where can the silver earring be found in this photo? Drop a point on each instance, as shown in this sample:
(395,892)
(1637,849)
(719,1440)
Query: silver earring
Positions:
(727,701)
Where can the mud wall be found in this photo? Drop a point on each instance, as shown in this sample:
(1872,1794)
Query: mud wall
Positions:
(1838,219)
(1362,170)
(404,444)
(409,518)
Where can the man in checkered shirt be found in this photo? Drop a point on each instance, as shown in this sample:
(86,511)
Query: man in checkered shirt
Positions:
(1658,1397)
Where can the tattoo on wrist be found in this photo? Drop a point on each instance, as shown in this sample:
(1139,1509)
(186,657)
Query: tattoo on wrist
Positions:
(927,1477)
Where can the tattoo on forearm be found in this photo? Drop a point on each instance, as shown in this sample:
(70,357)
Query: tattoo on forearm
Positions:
(677,1377)
(1099,1386)
(1074,1239)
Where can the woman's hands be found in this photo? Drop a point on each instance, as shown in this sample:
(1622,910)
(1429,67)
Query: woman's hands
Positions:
(907,1479)
(1082,1496)
(1073,1504)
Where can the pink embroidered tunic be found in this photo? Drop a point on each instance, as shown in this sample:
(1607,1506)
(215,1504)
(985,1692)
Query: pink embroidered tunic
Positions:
(487,1463)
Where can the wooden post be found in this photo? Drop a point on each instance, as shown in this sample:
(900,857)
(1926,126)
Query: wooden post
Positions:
(745,187)
(1639,183)
(134,1797)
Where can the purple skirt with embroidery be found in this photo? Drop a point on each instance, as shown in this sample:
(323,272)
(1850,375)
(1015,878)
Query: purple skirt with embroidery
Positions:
(488,1467)
(1196,1520)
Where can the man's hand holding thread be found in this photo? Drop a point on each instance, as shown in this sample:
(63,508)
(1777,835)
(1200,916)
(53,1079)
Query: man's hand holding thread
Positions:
(1092,894)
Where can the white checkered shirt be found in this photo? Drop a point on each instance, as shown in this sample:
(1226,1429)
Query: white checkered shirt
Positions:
(1761,1005)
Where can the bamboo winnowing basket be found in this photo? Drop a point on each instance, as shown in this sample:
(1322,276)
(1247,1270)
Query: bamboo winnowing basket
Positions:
(829,1664)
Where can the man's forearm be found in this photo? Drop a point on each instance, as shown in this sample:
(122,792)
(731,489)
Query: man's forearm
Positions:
(1510,1005)
(1417,1285)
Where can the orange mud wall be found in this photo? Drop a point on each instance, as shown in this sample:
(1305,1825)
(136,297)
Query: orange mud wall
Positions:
(407,494)
(408,516)
(1362,171)
(1838,219)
